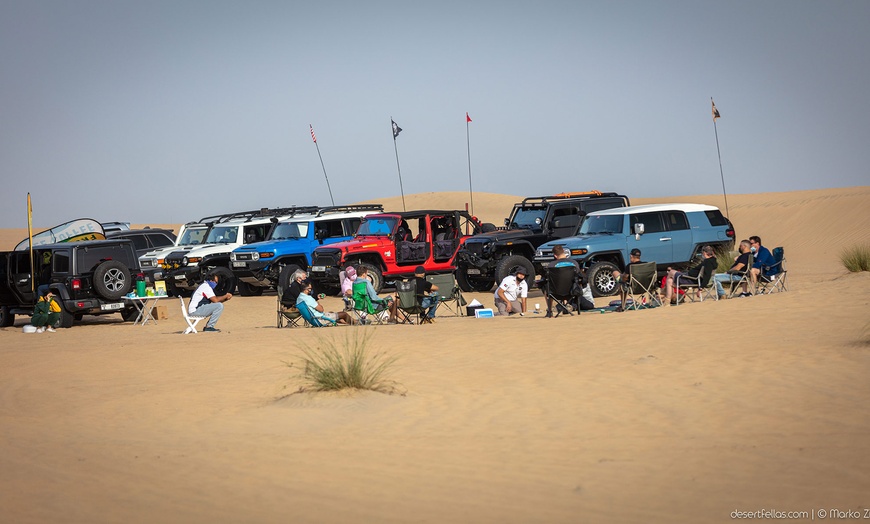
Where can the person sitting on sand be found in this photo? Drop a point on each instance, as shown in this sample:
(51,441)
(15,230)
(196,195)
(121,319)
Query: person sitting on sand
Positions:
(509,292)
(46,314)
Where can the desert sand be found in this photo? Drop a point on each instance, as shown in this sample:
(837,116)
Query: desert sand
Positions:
(674,414)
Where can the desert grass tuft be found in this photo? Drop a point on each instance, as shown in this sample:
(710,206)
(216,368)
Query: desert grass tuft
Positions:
(345,361)
(856,258)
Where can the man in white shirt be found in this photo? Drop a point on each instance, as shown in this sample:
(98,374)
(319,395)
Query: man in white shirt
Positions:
(511,289)
(204,303)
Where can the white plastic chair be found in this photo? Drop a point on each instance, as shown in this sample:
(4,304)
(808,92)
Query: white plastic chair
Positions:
(191,321)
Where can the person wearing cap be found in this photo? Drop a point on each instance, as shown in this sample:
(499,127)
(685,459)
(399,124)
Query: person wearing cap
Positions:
(46,313)
(426,295)
(204,302)
(623,279)
(508,294)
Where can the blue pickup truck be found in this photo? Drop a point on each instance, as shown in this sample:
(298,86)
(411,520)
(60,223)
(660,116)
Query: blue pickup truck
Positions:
(667,234)
(289,247)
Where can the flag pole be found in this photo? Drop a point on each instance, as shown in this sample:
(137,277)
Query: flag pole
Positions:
(314,138)
(468,148)
(719,154)
(396,131)
(30,243)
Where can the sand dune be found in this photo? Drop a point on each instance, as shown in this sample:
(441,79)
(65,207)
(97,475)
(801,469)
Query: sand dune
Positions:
(678,414)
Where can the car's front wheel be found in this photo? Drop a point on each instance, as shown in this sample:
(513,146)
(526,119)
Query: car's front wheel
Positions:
(601,279)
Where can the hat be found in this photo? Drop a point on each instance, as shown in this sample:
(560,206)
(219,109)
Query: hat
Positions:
(420,270)
(350,272)
(520,271)
(635,252)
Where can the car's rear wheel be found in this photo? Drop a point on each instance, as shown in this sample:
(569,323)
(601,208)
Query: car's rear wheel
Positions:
(112,280)
(249,290)
(601,279)
(66,318)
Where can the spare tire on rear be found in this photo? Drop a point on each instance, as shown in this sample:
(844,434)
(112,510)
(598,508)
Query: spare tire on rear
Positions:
(112,280)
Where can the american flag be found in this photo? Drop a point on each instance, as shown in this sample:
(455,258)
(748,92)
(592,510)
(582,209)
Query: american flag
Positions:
(313,137)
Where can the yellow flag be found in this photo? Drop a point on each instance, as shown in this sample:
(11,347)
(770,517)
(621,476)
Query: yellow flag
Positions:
(30,241)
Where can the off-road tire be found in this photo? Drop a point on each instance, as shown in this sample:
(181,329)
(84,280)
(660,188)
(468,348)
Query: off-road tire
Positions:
(226,281)
(249,290)
(112,280)
(488,227)
(508,264)
(601,279)
(375,274)
(66,318)
(129,314)
(7,317)
(468,284)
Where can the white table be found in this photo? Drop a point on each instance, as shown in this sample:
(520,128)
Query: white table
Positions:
(145,305)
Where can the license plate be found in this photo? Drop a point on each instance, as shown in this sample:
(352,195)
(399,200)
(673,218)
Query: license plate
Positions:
(472,271)
(112,307)
(318,269)
(179,277)
(239,264)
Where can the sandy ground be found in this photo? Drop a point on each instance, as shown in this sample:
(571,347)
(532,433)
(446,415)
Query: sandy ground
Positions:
(677,414)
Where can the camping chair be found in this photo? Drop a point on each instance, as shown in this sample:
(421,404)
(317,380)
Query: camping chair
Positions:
(408,303)
(706,286)
(641,284)
(287,317)
(192,321)
(364,306)
(776,282)
(311,320)
(559,286)
(449,294)
(745,277)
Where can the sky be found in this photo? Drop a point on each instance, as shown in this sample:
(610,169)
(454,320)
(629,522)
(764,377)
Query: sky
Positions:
(167,111)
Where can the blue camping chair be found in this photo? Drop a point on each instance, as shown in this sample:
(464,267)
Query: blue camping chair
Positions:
(310,319)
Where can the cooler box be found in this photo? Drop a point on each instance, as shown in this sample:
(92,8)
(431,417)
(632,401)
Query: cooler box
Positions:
(469,310)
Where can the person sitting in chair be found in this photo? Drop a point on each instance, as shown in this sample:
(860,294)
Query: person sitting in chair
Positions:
(764,264)
(288,299)
(388,303)
(204,302)
(426,293)
(708,265)
(734,274)
(623,280)
(581,282)
(306,300)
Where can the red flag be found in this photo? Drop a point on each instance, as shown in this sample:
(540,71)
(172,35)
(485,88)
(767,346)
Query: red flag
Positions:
(314,138)
(467,118)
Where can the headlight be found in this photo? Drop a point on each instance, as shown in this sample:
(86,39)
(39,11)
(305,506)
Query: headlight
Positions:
(146,263)
(539,253)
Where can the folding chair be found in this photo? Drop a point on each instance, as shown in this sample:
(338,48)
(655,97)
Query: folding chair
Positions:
(745,277)
(311,320)
(641,284)
(559,286)
(449,294)
(773,277)
(409,306)
(705,286)
(192,321)
(364,307)
(287,317)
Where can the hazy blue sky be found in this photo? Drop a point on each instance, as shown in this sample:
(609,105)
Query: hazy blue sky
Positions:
(164,111)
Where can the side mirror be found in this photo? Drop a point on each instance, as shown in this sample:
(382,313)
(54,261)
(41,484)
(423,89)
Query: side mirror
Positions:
(507,222)
(638,231)
(539,221)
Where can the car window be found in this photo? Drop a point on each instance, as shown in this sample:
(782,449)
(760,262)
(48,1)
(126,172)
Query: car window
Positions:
(139,241)
(329,228)
(591,206)
(192,237)
(159,240)
(652,222)
(351,225)
(290,230)
(676,220)
(602,224)
(61,261)
(716,218)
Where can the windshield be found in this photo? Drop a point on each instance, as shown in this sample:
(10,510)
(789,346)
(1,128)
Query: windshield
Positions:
(290,230)
(222,235)
(525,217)
(376,226)
(192,237)
(595,224)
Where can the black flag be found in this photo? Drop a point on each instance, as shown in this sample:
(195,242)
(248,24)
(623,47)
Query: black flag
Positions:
(396,129)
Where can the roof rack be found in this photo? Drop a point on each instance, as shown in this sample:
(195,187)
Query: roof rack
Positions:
(564,196)
(350,209)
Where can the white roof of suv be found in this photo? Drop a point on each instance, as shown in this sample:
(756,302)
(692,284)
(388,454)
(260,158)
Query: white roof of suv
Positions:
(650,208)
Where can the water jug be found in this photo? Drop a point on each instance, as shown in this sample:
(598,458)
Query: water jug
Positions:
(140,285)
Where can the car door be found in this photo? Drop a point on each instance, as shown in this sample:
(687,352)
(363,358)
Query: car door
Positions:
(677,226)
(655,243)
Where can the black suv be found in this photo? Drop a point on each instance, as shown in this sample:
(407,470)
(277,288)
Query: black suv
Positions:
(145,240)
(485,259)
(89,277)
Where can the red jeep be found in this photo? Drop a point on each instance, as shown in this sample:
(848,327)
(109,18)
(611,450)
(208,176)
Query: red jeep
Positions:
(391,245)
